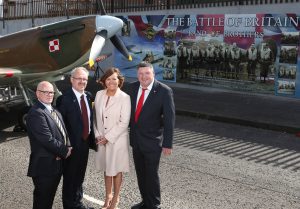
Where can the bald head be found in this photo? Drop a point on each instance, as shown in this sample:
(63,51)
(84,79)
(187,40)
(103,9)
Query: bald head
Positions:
(45,92)
(44,84)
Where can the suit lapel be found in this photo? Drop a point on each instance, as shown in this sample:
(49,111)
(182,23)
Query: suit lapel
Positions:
(151,94)
(51,117)
(91,109)
(75,102)
(89,101)
(113,100)
(135,94)
(44,109)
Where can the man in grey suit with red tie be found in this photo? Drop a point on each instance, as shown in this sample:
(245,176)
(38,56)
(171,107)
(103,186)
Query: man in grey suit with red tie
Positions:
(49,146)
(75,106)
(151,132)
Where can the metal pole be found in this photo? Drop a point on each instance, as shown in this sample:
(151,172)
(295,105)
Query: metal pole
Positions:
(67,9)
(32,15)
(168,4)
(112,5)
(3,13)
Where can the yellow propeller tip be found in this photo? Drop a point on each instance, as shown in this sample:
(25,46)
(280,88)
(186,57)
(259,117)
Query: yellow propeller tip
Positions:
(130,58)
(91,63)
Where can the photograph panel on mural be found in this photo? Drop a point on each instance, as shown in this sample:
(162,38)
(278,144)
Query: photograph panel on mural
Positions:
(286,87)
(237,51)
(288,54)
(291,38)
(287,72)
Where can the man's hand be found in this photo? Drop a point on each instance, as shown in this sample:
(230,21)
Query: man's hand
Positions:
(167,151)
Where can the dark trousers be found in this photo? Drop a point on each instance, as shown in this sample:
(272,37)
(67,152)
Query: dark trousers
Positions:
(73,176)
(146,166)
(44,191)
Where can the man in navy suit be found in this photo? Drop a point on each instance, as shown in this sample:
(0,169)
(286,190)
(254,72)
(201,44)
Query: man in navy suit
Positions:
(151,132)
(72,105)
(48,142)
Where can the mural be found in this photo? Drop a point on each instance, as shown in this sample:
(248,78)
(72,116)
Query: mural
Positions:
(251,52)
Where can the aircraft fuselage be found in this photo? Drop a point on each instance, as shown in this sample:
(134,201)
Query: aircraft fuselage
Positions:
(48,48)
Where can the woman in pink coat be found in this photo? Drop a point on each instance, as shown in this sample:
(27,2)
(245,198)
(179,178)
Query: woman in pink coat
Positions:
(112,109)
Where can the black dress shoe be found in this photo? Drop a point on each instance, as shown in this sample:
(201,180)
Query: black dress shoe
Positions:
(138,206)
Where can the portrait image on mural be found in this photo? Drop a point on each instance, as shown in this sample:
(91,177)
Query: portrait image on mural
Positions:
(215,59)
(169,48)
(169,34)
(267,55)
(288,54)
(290,38)
(286,87)
(168,66)
(287,72)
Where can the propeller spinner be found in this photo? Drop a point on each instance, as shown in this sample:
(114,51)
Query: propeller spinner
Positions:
(107,27)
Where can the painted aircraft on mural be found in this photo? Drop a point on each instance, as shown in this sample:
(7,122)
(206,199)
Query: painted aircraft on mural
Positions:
(49,52)
(148,57)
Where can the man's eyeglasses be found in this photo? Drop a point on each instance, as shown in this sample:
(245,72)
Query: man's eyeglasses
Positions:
(80,79)
(48,93)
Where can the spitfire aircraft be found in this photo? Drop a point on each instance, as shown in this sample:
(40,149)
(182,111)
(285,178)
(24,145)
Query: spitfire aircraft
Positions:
(48,52)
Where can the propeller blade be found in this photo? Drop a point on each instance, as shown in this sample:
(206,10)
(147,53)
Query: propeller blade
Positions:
(118,43)
(107,27)
(97,46)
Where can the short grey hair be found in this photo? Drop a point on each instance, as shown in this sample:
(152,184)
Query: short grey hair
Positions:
(79,68)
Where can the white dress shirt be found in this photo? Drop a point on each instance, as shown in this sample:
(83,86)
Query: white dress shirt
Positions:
(147,92)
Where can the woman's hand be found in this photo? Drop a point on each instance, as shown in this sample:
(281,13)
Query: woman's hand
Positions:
(101,140)
(98,139)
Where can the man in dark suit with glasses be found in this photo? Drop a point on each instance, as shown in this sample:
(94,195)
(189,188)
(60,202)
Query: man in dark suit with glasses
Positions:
(75,106)
(49,146)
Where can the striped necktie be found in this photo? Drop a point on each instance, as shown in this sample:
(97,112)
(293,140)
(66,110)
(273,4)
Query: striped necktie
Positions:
(59,125)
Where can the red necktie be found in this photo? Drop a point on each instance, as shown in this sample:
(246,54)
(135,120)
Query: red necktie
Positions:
(85,118)
(139,105)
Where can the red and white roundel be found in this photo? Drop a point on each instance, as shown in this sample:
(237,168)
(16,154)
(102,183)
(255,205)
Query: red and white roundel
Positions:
(54,45)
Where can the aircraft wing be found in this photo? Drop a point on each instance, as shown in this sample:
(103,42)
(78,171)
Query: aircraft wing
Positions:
(9,72)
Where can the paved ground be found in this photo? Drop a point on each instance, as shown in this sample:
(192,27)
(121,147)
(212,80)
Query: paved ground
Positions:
(214,166)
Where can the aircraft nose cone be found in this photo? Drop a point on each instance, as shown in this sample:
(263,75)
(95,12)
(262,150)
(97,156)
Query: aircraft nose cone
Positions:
(108,23)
